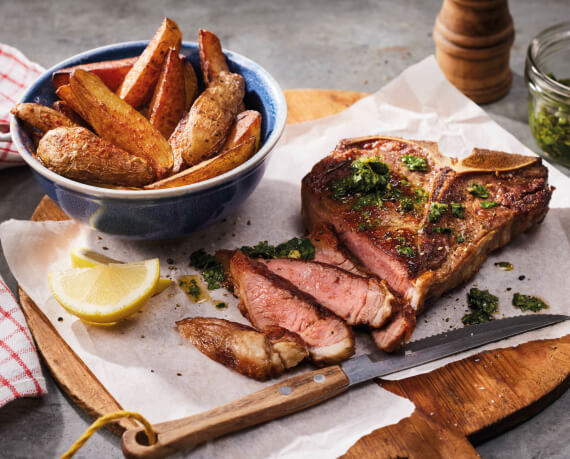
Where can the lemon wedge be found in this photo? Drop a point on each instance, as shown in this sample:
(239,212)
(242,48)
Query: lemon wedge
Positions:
(105,293)
(83,257)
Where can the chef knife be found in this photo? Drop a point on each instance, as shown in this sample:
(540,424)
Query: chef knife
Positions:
(308,389)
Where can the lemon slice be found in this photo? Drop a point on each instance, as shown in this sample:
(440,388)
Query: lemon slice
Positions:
(105,293)
(83,257)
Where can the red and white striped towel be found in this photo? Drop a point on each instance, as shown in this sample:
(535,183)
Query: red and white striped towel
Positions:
(16,74)
(20,372)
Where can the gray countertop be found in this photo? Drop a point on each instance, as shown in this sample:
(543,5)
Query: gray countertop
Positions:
(353,45)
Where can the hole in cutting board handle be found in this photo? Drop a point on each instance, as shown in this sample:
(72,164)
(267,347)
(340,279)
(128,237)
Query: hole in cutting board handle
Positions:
(142,438)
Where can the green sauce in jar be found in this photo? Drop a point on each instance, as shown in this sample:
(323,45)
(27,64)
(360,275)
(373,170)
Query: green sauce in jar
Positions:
(550,125)
(547,72)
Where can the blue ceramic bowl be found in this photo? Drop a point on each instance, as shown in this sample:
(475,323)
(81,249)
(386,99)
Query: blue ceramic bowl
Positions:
(168,213)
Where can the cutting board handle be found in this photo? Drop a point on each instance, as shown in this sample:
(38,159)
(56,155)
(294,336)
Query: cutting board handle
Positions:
(287,397)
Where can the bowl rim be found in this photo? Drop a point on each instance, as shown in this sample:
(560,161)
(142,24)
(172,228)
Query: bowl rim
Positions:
(100,192)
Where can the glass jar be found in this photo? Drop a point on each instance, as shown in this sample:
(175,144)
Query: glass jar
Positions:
(547,75)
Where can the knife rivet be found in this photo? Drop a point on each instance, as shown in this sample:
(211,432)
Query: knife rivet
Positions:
(285,390)
(320,378)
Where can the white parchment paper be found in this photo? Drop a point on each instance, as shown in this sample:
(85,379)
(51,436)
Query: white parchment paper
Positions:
(148,368)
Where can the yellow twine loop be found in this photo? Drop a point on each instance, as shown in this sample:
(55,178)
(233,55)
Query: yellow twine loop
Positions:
(106,419)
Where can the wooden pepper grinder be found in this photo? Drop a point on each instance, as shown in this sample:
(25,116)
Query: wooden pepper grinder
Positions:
(473,41)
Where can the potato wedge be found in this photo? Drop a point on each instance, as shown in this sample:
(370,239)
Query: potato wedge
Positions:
(212,58)
(66,94)
(41,117)
(78,154)
(190,83)
(246,125)
(64,108)
(167,105)
(138,85)
(119,123)
(210,168)
(111,72)
(205,128)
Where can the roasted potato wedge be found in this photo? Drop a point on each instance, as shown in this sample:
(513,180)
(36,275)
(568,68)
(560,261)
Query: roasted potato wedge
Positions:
(190,83)
(205,128)
(66,94)
(212,58)
(41,117)
(138,85)
(64,108)
(78,154)
(112,73)
(167,105)
(246,125)
(210,168)
(119,123)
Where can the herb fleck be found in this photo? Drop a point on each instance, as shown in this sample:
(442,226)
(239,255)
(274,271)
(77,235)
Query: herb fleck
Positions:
(478,190)
(436,210)
(368,200)
(191,287)
(421,194)
(368,174)
(299,248)
(483,305)
(457,209)
(221,305)
(442,230)
(488,204)
(405,250)
(415,163)
(364,227)
(528,303)
(212,270)
(460,238)
(504,265)
(406,204)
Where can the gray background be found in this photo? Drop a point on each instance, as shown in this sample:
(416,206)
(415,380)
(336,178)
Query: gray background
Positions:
(353,45)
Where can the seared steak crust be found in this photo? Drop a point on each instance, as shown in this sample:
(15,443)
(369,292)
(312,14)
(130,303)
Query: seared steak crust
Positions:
(269,300)
(440,251)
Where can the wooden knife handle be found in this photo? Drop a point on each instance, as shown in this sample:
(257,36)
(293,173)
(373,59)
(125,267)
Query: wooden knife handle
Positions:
(289,396)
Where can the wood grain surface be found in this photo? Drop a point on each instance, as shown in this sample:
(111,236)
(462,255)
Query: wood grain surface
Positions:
(302,391)
(463,402)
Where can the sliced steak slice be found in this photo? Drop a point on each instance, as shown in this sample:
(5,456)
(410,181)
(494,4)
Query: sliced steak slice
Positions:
(242,348)
(329,250)
(430,231)
(268,300)
(397,331)
(358,300)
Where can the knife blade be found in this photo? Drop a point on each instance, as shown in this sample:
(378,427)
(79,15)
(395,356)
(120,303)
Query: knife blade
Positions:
(307,389)
(426,350)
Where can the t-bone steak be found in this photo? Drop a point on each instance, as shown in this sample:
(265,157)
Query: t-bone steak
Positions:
(419,220)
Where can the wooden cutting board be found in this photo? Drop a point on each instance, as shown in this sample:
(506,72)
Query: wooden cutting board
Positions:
(451,409)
